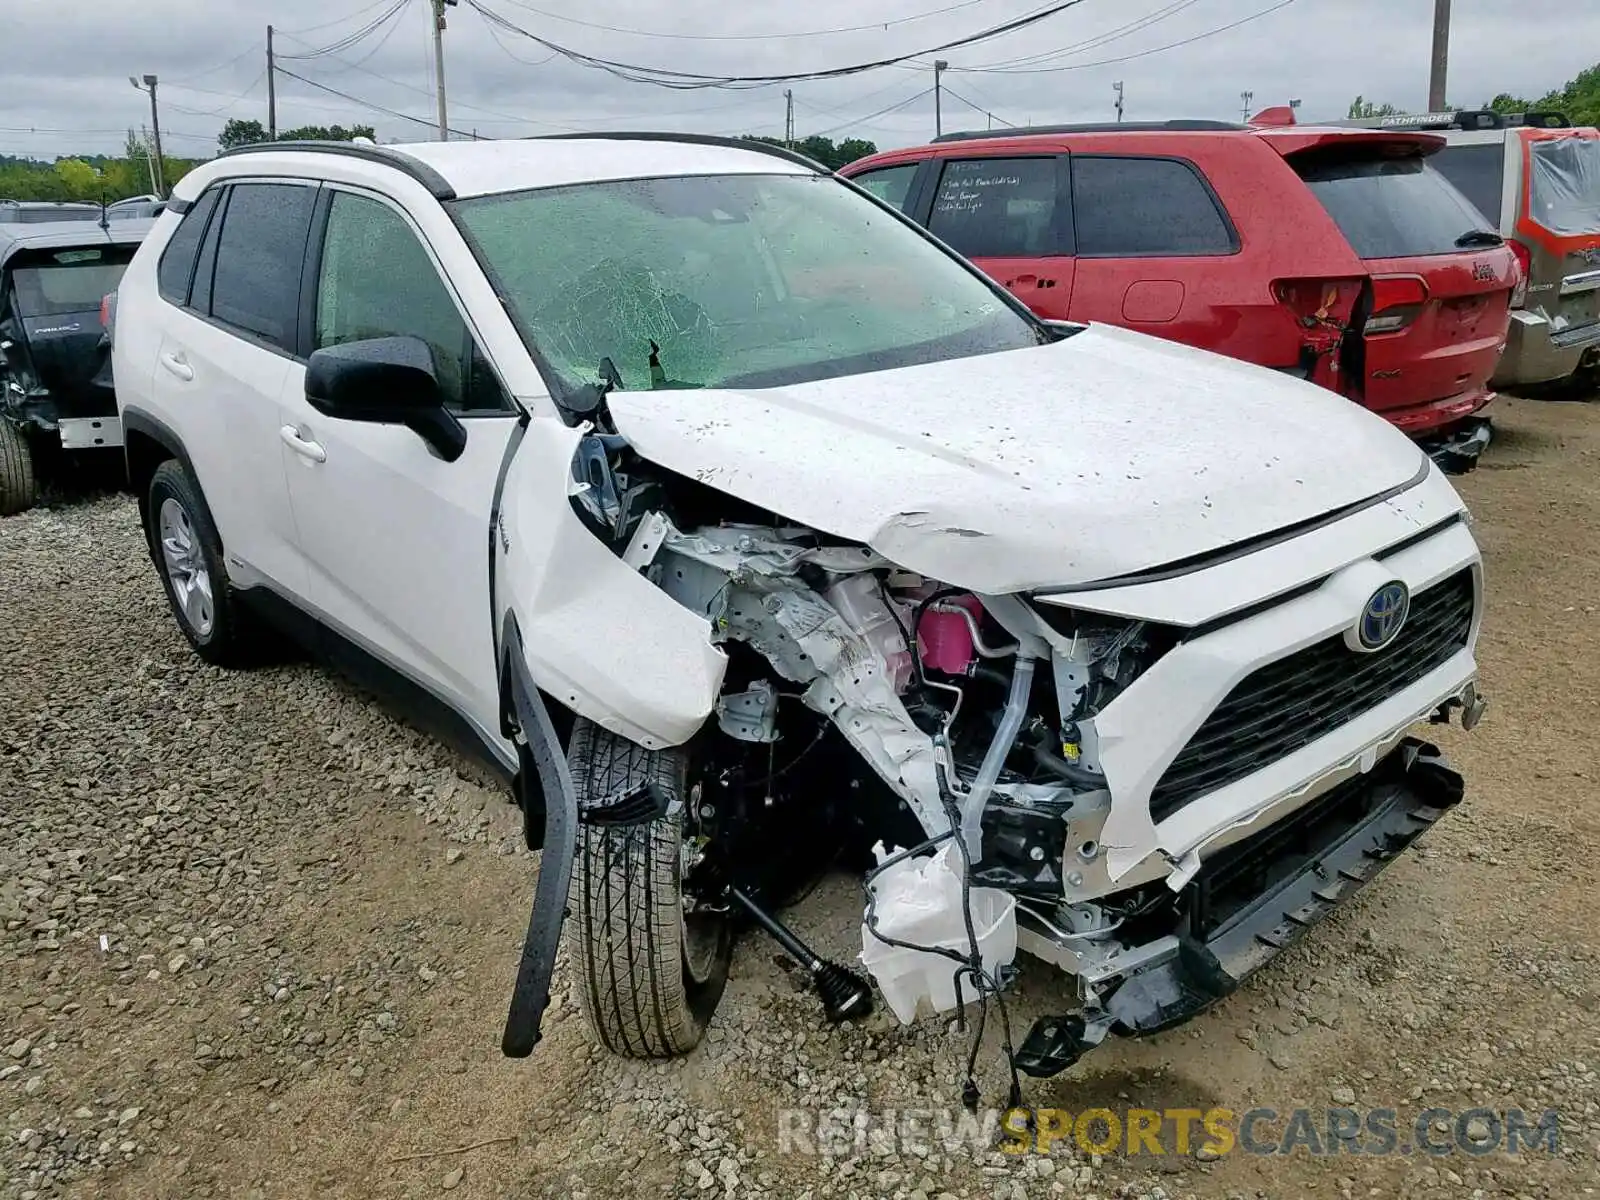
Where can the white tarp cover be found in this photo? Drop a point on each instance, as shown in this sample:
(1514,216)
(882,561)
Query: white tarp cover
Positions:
(1566,186)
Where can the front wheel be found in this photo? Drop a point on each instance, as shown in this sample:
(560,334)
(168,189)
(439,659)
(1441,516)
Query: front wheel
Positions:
(650,971)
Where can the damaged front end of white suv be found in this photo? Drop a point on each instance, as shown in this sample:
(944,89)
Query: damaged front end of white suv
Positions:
(1168,719)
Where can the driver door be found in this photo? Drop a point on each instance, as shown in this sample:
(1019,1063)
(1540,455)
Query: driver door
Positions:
(396,540)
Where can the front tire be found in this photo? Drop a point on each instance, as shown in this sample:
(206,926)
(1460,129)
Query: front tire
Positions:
(650,972)
(19,488)
(188,556)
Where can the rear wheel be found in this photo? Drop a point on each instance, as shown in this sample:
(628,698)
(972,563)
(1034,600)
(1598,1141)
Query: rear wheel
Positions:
(650,970)
(188,556)
(18,486)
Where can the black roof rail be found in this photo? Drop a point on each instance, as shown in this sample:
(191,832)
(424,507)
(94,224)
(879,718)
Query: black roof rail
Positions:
(975,135)
(1547,120)
(695,139)
(436,183)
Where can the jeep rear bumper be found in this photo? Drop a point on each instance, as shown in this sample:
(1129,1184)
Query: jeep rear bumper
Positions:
(1255,899)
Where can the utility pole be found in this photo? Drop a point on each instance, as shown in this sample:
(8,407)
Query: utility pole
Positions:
(1118,86)
(437,7)
(1438,76)
(1247,97)
(149,159)
(939,68)
(149,85)
(272,91)
(788,118)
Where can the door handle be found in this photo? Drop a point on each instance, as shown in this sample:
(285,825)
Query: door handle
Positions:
(178,365)
(302,446)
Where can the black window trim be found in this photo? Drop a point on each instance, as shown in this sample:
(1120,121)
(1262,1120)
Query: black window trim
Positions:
(311,277)
(1066,238)
(1236,245)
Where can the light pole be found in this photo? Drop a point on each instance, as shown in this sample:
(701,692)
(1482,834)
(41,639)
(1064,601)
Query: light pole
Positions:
(437,7)
(1247,97)
(1118,86)
(939,67)
(149,85)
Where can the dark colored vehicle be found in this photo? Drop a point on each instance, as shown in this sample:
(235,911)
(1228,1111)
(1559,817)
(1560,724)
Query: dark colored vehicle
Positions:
(1340,256)
(55,363)
(45,212)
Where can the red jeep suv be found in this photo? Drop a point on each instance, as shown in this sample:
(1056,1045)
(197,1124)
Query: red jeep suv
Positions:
(1340,255)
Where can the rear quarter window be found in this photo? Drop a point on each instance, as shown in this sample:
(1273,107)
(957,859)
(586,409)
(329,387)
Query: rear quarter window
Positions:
(892,185)
(1126,207)
(1391,207)
(176,269)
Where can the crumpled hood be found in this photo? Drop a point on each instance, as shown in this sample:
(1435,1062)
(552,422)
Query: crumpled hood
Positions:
(1107,453)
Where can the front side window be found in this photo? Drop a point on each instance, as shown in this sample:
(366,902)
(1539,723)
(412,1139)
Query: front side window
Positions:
(892,185)
(59,282)
(376,281)
(998,207)
(1146,208)
(1392,207)
(737,281)
(260,254)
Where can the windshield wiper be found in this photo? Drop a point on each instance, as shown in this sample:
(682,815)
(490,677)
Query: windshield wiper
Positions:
(1480,237)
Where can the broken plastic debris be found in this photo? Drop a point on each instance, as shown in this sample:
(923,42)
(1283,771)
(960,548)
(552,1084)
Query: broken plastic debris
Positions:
(918,901)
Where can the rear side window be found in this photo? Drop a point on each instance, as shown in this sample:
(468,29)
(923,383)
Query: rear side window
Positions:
(892,185)
(999,207)
(1478,173)
(260,254)
(1391,207)
(1566,185)
(176,268)
(1146,207)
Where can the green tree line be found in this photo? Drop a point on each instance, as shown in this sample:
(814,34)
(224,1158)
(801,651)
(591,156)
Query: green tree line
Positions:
(1579,99)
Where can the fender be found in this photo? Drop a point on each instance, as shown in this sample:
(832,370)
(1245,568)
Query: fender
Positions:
(137,421)
(543,765)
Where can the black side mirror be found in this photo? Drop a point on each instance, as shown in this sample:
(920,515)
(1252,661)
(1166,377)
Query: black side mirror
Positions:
(388,381)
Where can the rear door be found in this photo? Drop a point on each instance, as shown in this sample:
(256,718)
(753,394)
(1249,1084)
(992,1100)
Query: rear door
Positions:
(228,343)
(1153,240)
(1434,319)
(1012,216)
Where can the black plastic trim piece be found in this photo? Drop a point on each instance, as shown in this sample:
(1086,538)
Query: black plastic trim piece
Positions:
(136,421)
(982,135)
(693,139)
(180,206)
(437,185)
(541,754)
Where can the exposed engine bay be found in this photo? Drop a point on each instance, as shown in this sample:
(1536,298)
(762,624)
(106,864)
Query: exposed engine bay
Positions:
(873,716)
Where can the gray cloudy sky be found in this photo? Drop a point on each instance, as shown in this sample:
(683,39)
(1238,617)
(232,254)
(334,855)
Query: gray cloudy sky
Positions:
(66,89)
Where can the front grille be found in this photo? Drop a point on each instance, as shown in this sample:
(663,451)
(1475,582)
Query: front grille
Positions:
(1296,700)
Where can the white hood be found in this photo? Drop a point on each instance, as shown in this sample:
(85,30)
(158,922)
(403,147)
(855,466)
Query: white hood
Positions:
(1108,453)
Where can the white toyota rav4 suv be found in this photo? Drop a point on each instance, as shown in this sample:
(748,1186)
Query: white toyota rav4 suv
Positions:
(738,522)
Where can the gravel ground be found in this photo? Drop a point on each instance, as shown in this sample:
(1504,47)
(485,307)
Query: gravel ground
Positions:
(258,938)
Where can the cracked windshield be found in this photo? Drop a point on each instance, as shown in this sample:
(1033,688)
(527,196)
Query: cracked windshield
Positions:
(728,281)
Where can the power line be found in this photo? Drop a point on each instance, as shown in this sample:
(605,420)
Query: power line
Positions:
(872,116)
(978,107)
(212,112)
(1106,62)
(396,7)
(745,37)
(665,77)
(337,20)
(1172,9)
(431,124)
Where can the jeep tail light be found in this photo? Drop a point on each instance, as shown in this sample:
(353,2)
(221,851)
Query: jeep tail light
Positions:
(1396,301)
(1519,294)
